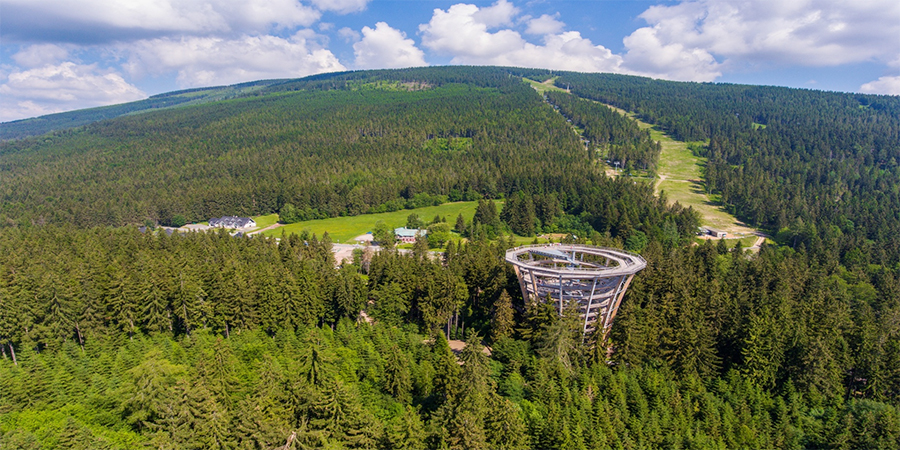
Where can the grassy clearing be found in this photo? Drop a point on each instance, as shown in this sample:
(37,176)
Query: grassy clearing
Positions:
(680,177)
(680,174)
(344,229)
(545,86)
(746,242)
(265,221)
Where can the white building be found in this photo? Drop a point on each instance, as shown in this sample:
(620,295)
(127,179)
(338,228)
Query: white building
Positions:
(232,222)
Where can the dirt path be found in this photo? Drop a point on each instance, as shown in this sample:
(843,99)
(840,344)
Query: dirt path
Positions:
(756,245)
(270,227)
(660,178)
(457,346)
(679,174)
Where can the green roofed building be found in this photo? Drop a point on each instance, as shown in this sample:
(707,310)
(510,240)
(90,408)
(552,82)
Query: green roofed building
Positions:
(408,235)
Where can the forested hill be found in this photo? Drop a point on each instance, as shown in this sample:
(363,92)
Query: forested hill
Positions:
(820,168)
(37,126)
(330,145)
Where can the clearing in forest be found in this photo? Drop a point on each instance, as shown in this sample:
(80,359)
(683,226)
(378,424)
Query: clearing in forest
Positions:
(545,86)
(344,229)
(679,175)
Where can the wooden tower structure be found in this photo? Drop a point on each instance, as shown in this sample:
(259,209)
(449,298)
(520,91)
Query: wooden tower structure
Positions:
(592,279)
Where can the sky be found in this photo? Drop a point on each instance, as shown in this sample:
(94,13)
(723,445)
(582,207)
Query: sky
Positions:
(60,55)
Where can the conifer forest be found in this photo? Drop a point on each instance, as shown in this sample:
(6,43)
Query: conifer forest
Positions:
(115,337)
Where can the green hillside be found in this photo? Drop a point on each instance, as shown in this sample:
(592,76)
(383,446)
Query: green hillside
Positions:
(37,126)
(331,145)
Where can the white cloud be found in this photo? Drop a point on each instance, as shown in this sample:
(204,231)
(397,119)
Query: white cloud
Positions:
(648,55)
(341,6)
(40,55)
(462,32)
(500,13)
(457,32)
(112,20)
(206,61)
(386,47)
(62,87)
(684,41)
(564,51)
(889,85)
(546,24)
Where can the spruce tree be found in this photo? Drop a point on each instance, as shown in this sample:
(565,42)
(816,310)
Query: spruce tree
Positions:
(503,319)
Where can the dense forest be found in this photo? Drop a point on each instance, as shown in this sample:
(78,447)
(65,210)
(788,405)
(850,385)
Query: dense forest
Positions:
(616,137)
(114,338)
(342,150)
(117,339)
(37,126)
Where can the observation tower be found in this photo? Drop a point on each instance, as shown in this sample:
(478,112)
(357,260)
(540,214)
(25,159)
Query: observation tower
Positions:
(593,279)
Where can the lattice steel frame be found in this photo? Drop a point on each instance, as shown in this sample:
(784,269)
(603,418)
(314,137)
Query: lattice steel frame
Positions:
(595,278)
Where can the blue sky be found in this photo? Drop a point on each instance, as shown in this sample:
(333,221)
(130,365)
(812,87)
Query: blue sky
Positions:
(59,55)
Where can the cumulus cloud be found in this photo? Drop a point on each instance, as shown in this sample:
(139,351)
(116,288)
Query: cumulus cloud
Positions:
(546,24)
(457,32)
(564,51)
(689,37)
(66,86)
(205,61)
(651,56)
(463,32)
(889,85)
(386,47)
(500,13)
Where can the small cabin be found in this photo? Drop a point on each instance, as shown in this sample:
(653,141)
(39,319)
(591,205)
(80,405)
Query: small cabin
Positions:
(716,233)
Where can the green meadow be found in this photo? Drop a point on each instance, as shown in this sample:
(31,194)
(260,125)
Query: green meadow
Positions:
(681,178)
(344,229)
(265,221)
(544,87)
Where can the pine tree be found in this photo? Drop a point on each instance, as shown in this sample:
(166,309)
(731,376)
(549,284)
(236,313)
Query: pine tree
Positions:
(460,226)
(560,340)
(406,432)
(316,360)
(348,294)
(503,318)
(397,381)
(504,426)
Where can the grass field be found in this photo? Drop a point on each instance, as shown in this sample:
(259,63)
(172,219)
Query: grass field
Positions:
(344,229)
(680,176)
(265,221)
(544,87)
